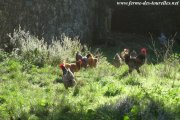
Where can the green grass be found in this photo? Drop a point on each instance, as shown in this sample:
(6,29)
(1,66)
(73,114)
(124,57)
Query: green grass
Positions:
(103,93)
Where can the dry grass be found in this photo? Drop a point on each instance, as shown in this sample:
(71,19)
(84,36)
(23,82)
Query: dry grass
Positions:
(38,51)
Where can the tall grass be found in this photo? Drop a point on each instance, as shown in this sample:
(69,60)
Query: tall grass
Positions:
(39,52)
(103,93)
(163,52)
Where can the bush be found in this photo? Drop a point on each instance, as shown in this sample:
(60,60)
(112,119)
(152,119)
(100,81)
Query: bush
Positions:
(163,52)
(3,55)
(39,52)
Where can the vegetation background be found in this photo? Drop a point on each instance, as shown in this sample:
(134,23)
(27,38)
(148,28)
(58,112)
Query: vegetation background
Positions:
(31,84)
(36,36)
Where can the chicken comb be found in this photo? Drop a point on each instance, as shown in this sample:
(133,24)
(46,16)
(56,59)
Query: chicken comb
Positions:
(61,66)
(144,51)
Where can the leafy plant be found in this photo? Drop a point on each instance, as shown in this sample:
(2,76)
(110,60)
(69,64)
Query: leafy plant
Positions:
(39,53)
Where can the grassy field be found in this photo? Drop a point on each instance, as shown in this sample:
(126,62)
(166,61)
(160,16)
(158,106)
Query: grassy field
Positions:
(31,85)
(103,93)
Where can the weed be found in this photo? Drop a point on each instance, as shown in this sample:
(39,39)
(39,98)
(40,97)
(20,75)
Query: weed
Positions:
(29,90)
(38,52)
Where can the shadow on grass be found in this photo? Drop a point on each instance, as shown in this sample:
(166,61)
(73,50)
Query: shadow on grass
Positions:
(130,107)
(125,74)
(58,80)
(133,82)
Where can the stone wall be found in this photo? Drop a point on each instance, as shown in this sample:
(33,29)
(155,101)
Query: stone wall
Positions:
(131,20)
(91,20)
(49,18)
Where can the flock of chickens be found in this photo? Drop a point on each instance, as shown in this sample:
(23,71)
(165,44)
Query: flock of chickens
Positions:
(69,68)
(131,58)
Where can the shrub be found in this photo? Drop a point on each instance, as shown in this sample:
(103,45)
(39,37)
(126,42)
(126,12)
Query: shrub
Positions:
(3,55)
(163,52)
(39,52)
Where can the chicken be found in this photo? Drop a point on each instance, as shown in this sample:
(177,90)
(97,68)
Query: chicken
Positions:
(123,53)
(117,61)
(68,77)
(84,62)
(92,61)
(133,54)
(74,67)
(137,62)
(83,59)
(78,56)
(89,55)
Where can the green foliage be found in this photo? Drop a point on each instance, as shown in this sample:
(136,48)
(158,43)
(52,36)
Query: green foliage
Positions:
(37,51)
(3,55)
(104,93)
(163,52)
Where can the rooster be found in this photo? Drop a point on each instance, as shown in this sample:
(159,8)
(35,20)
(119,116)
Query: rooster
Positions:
(68,77)
(136,62)
(83,59)
(117,60)
(74,67)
